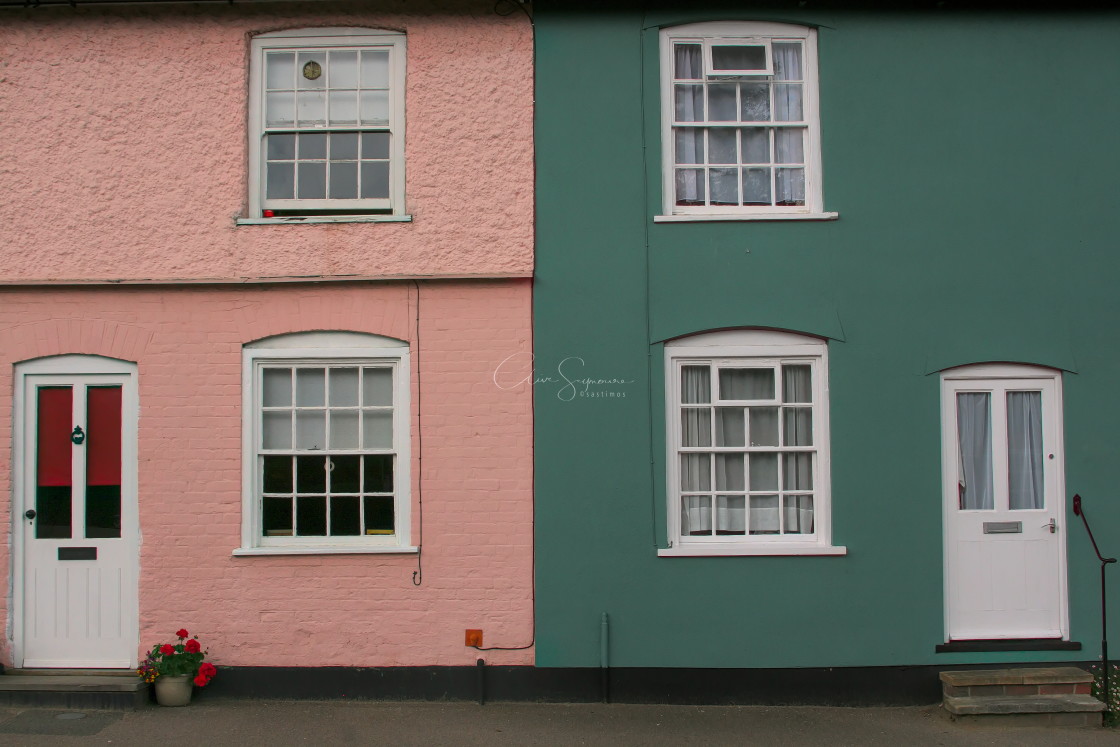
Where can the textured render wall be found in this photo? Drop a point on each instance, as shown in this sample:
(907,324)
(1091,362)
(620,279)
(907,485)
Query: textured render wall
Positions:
(123,145)
(316,610)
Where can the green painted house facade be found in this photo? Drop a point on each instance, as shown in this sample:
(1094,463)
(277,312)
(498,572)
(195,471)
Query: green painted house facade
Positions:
(825,335)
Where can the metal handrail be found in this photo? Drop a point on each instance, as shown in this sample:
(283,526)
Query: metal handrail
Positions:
(1079,511)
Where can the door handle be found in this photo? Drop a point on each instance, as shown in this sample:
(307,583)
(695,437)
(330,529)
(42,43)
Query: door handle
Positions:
(30,513)
(1053,525)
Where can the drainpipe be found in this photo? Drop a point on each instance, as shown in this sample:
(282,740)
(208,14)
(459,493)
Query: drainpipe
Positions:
(605,658)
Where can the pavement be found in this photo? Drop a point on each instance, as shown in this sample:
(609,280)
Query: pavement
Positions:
(256,722)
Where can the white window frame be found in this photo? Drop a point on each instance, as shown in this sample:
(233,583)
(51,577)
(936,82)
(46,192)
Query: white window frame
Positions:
(327,349)
(725,32)
(328,38)
(766,347)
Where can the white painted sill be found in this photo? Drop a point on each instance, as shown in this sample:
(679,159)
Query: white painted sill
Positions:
(296,220)
(704,218)
(324,550)
(714,550)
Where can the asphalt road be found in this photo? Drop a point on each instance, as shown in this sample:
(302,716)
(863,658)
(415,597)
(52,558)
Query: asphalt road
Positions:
(248,722)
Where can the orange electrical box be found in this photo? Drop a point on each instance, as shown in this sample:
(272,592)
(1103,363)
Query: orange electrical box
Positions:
(474,637)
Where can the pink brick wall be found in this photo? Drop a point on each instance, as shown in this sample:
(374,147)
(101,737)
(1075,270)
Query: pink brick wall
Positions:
(360,610)
(123,145)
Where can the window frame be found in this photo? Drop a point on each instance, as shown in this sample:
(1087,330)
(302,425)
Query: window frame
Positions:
(298,40)
(767,348)
(706,34)
(325,349)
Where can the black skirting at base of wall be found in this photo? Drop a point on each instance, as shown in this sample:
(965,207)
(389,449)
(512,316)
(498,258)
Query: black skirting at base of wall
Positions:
(842,686)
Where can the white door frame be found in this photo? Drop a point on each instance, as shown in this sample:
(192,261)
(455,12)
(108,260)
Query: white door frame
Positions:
(988,372)
(23,471)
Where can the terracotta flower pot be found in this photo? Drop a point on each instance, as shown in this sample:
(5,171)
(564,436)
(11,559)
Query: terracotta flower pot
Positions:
(174,690)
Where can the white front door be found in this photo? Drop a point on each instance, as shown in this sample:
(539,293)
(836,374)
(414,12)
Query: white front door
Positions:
(77,548)
(1003,483)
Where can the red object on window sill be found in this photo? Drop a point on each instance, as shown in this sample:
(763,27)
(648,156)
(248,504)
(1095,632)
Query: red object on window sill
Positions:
(269,214)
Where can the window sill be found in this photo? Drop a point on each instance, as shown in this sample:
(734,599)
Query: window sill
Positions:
(707,218)
(304,220)
(714,550)
(325,550)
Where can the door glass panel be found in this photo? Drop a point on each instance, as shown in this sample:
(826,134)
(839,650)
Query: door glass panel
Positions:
(974,439)
(1024,450)
(54,473)
(103,462)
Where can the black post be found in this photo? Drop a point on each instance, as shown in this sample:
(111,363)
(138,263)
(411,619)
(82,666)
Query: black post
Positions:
(1079,511)
(481,669)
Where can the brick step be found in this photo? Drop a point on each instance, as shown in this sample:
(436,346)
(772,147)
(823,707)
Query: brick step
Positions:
(70,690)
(1040,696)
(1024,681)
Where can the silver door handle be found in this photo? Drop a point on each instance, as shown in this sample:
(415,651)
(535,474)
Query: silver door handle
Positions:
(1053,526)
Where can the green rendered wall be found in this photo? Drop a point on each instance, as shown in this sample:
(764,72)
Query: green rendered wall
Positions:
(973,160)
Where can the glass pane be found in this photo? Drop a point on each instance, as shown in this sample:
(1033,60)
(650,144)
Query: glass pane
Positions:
(764,514)
(696,385)
(375,107)
(375,145)
(974,434)
(345,474)
(344,146)
(696,515)
(344,107)
(1024,450)
(378,473)
(756,187)
(346,521)
(277,474)
(687,62)
(738,57)
(344,429)
(276,517)
(746,383)
(54,463)
(722,147)
(722,106)
(279,109)
(797,383)
(311,474)
(723,186)
(312,181)
(764,426)
(764,471)
(696,426)
(312,146)
(280,178)
(311,72)
(379,515)
(789,145)
(343,69)
(344,387)
(690,187)
(103,462)
(731,514)
(787,61)
(729,472)
(787,102)
(696,472)
(276,430)
(377,387)
(103,511)
(756,146)
(798,471)
(689,102)
(755,102)
(791,187)
(375,179)
(277,387)
(311,430)
(281,147)
(799,426)
(375,69)
(731,426)
(310,387)
(311,108)
(377,428)
(344,180)
(798,514)
(280,70)
(690,144)
(53,512)
(311,516)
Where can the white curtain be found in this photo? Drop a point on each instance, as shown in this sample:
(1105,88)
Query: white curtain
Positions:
(974,464)
(696,515)
(799,514)
(731,514)
(1024,449)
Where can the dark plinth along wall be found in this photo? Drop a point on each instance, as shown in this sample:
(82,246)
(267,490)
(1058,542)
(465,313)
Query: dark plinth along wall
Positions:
(973,161)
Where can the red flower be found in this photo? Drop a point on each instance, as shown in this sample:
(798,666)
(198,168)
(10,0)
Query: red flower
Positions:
(207,669)
(201,681)
(167,649)
(192,646)
(182,633)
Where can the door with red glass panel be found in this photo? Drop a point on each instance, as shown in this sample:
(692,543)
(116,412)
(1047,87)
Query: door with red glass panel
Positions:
(79,538)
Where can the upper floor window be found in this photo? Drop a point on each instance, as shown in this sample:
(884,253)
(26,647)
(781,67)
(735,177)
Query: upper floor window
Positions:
(326,123)
(740,132)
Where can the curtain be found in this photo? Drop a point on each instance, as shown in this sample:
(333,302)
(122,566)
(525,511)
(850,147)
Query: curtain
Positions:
(696,515)
(799,514)
(1024,449)
(974,440)
(731,514)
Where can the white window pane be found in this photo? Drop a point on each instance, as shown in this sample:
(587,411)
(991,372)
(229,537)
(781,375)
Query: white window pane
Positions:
(696,472)
(755,102)
(280,181)
(798,517)
(343,69)
(746,383)
(738,57)
(756,147)
(344,429)
(311,430)
(344,387)
(690,185)
(696,515)
(789,145)
(344,107)
(729,472)
(731,426)
(690,144)
(787,61)
(756,187)
(722,147)
(279,109)
(277,387)
(764,517)
(277,430)
(696,426)
(974,439)
(312,181)
(798,426)
(375,145)
(375,69)
(722,106)
(723,186)
(377,387)
(377,429)
(310,387)
(763,471)
(344,146)
(731,514)
(344,181)
(687,62)
(787,102)
(375,107)
(375,179)
(312,146)
(696,385)
(1024,450)
(764,426)
(311,108)
(280,70)
(689,102)
(311,71)
(797,384)
(281,147)
(790,187)
(798,471)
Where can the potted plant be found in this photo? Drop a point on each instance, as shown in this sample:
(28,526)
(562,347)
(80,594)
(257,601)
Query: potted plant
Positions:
(174,669)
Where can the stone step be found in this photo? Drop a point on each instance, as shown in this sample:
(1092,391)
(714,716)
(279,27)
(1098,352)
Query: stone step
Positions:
(1019,682)
(72,690)
(1006,704)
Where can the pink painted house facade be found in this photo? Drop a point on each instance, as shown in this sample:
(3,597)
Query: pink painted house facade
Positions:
(259,267)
